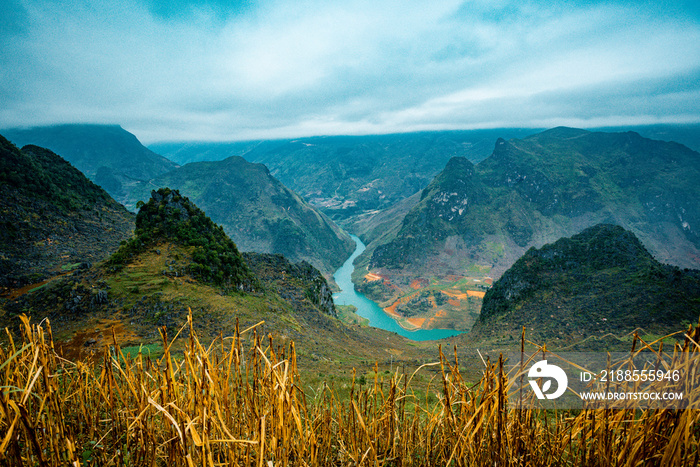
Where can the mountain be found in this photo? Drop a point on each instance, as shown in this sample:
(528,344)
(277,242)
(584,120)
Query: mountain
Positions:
(107,154)
(550,185)
(685,134)
(171,217)
(347,176)
(475,220)
(52,218)
(258,212)
(179,260)
(599,282)
(185,152)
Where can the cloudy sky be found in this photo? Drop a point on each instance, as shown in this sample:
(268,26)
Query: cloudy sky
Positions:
(232,70)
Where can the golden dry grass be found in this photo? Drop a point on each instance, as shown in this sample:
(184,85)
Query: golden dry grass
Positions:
(239,402)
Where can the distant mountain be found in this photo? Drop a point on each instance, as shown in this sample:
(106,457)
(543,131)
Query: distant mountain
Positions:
(347,176)
(553,184)
(599,282)
(258,212)
(107,154)
(185,152)
(685,134)
(52,217)
(351,176)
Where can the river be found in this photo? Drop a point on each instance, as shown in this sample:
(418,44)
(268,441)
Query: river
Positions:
(370,310)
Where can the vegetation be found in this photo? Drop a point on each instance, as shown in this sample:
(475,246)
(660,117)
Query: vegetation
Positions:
(546,186)
(51,216)
(240,401)
(155,287)
(212,392)
(107,154)
(44,175)
(257,212)
(599,282)
(348,315)
(169,216)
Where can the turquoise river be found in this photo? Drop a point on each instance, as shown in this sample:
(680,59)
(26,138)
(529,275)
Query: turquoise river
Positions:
(370,310)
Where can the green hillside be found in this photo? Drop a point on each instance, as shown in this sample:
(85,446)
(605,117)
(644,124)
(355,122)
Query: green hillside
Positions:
(171,217)
(598,283)
(179,260)
(258,212)
(107,154)
(52,218)
(349,176)
(535,190)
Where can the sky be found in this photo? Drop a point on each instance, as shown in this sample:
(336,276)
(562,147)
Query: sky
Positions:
(219,70)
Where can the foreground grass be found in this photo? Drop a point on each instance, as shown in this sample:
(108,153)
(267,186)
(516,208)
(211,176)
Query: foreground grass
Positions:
(239,401)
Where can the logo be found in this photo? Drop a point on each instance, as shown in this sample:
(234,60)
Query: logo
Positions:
(544,370)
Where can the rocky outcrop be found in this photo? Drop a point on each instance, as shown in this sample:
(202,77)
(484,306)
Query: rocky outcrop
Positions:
(600,281)
(295,283)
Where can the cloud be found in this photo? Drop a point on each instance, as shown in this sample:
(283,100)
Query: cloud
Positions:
(183,10)
(242,69)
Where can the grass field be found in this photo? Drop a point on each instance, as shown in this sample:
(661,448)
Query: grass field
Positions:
(241,401)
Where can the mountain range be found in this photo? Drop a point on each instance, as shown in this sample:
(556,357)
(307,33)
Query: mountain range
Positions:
(347,176)
(476,220)
(107,154)
(350,176)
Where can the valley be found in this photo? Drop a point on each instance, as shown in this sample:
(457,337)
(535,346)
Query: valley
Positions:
(377,317)
(476,220)
(170,318)
(180,263)
(431,257)
(349,234)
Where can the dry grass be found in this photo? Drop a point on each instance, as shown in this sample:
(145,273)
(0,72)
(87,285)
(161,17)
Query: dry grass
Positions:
(239,402)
